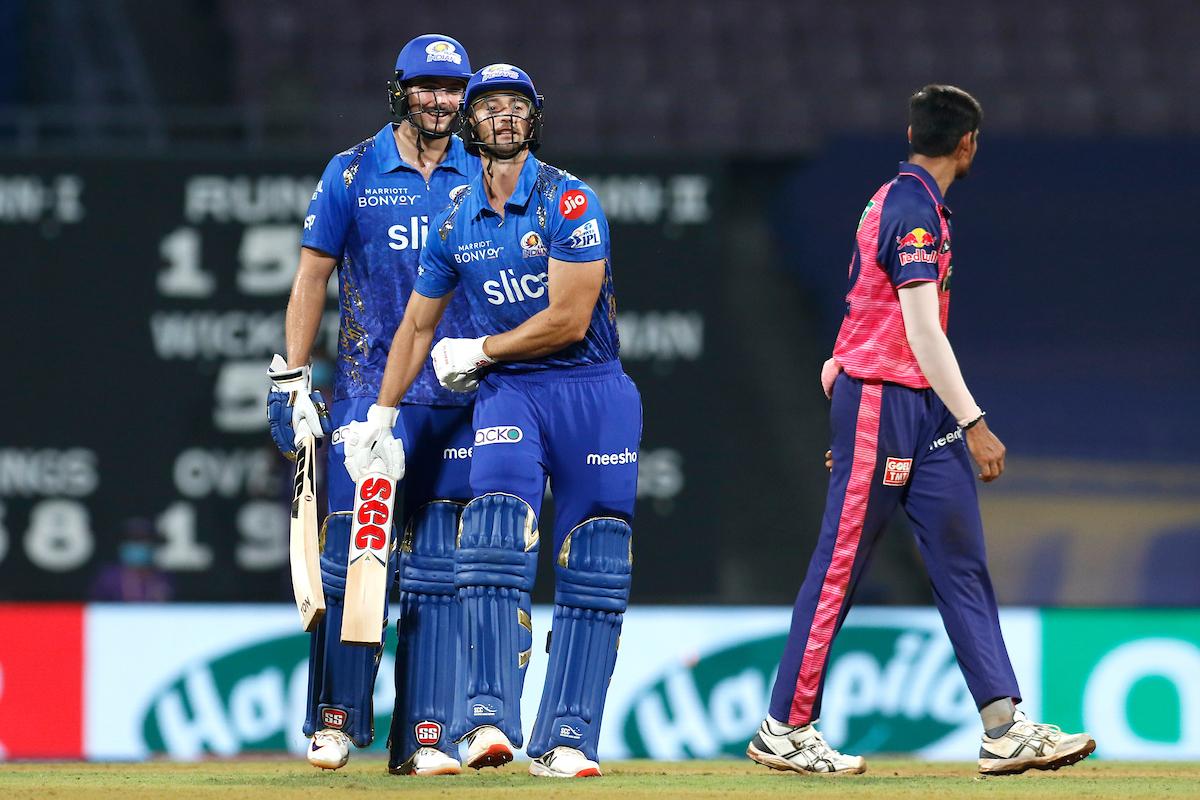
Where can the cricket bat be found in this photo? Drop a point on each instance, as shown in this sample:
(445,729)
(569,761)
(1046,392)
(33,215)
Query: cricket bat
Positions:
(305,549)
(367,566)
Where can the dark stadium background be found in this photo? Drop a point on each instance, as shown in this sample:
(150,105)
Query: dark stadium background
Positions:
(156,159)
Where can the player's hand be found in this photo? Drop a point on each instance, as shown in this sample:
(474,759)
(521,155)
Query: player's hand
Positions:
(457,363)
(371,445)
(987,450)
(829,460)
(294,410)
(829,373)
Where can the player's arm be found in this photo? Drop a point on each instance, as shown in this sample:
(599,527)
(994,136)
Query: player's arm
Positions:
(574,288)
(922,326)
(306,305)
(411,345)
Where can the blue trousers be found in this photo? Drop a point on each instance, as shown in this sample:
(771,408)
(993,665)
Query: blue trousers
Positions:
(895,446)
(581,426)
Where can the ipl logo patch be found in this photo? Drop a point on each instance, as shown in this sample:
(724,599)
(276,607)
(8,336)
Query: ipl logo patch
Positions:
(896,471)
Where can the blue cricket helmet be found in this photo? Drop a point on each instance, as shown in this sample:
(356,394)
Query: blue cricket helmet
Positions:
(430,55)
(500,77)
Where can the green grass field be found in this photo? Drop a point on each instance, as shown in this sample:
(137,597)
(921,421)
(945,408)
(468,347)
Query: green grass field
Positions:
(628,780)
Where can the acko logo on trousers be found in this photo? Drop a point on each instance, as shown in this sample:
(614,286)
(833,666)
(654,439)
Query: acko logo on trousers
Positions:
(500,434)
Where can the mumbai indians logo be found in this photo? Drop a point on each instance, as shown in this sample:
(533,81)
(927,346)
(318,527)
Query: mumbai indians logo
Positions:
(493,71)
(532,245)
(501,434)
(442,51)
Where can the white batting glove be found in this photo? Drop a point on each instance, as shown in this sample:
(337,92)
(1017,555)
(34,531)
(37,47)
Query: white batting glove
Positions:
(457,363)
(306,420)
(371,446)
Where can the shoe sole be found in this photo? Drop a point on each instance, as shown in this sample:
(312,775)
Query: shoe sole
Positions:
(496,755)
(1002,766)
(783,765)
(406,769)
(539,770)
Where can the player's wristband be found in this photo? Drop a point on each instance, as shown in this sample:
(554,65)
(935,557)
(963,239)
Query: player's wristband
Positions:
(975,421)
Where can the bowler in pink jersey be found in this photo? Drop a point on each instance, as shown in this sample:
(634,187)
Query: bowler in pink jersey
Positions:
(905,430)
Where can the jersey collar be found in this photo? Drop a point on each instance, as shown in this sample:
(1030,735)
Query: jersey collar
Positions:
(387,153)
(520,196)
(931,185)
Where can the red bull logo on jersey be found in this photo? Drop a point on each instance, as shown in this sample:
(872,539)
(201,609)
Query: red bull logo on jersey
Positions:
(924,244)
(896,471)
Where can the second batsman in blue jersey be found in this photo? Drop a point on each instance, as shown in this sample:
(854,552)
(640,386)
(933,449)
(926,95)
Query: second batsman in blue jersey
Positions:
(527,247)
(368,219)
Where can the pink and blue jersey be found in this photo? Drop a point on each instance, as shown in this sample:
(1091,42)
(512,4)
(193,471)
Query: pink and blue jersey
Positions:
(903,238)
(371,211)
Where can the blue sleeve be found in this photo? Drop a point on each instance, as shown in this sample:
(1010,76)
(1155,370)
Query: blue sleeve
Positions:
(909,233)
(436,273)
(578,228)
(329,212)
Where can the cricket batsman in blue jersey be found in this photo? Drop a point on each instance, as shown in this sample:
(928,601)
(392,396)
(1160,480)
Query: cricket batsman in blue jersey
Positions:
(368,219)
(527,246)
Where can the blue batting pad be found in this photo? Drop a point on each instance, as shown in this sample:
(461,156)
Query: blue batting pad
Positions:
(494,568)
(341,677)
(428,635)
(592,592)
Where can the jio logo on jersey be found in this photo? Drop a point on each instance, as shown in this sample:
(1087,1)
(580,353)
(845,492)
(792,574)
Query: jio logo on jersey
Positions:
(511,288)
(411,236)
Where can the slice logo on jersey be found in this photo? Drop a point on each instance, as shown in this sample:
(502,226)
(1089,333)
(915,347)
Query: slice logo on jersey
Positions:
(428,733)
(442,51)
(532,245)
(333,718)
(586,235)
(511,288)
(569,732)
(482,710)
(308,221)
(320,188)
(493,71)
(411,236)
(896,471)
(573,204)
(458,190)
(499,434)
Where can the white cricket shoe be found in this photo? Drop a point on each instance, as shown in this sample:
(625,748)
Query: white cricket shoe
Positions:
(488,747)
(800,750)
(428,761)
(564,762)
(329,749)
(1032,745)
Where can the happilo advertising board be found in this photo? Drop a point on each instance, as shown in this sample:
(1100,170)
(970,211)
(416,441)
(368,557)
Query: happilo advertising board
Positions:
(689,683)
(1129,677)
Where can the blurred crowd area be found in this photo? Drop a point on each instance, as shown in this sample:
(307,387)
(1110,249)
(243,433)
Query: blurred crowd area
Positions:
(677,76)
(733,145)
